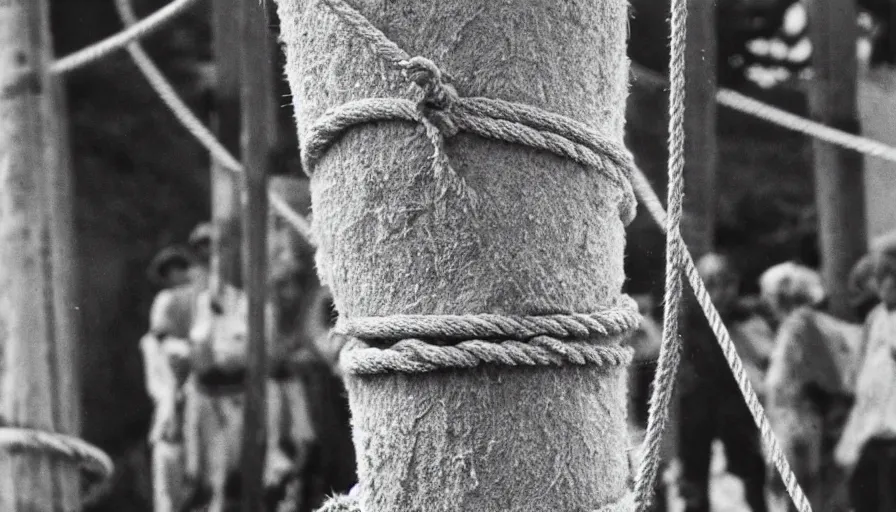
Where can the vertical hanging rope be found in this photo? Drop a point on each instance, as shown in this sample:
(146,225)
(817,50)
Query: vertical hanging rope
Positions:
(670,352)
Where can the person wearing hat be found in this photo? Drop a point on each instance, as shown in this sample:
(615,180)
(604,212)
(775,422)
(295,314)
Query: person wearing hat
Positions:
(170,268)
(165,351)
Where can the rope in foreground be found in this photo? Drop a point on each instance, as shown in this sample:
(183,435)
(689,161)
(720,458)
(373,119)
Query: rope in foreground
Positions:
(89,459)
(755,108)
(670,348)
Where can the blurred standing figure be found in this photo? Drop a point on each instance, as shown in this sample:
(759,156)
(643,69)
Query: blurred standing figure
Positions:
(787,286)
(808,385)
(868,445)
(290,341)
(711,404)
(163,347)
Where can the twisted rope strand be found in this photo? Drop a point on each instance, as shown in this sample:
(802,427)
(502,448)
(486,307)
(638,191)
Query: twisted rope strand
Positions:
(116,42)
(670,351)
(194,125)
(489,326)
(89,458)
(418,356)
(746,105)
(381,45)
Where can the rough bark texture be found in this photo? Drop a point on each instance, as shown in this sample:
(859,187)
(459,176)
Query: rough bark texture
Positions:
(545,236)
(38,309)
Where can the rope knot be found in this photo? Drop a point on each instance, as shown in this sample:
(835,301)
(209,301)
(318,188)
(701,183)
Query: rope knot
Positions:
(438,94)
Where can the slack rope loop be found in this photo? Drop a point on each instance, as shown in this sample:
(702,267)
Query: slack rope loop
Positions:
(195,126)
(670,350)
(132,33)
(746,105)
(443,114)
(89,459)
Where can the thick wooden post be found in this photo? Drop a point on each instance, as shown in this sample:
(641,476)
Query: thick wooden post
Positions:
(226,121)
(839,187)
(38,306)
(259,123)
(544,235)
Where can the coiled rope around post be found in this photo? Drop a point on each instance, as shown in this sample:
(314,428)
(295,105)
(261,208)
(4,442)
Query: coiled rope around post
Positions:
(194,125)
(88,458)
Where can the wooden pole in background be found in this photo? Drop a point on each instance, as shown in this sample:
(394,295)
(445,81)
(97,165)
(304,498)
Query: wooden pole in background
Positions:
(226,191)
(38,309)
(259,124)
(701,157)
(701,147)
(839,174)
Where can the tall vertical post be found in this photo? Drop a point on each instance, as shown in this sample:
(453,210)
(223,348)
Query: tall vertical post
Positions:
(226,121)
(701,148)
(38,308)
(839,174)
(259,123)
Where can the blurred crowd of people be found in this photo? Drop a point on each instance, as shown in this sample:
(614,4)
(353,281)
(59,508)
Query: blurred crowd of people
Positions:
(196,368)
(828,386)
